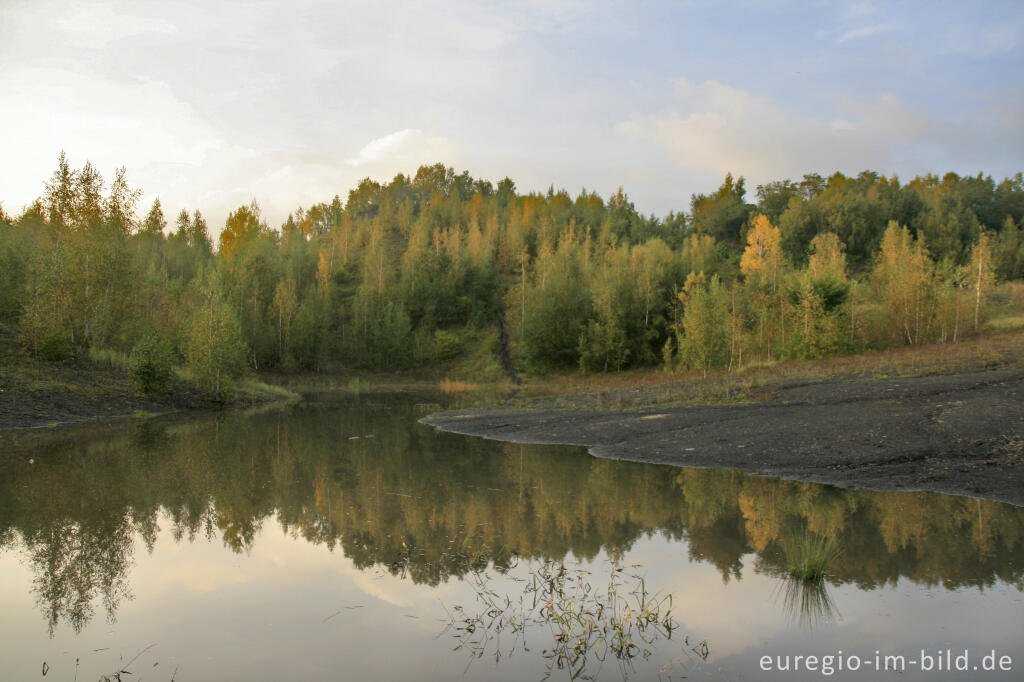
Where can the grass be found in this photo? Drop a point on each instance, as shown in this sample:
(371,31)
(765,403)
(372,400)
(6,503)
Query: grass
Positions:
(810,557)
(261,389)
(111,359)
(454,386)
(654,387)
(1004,324)
(580,622)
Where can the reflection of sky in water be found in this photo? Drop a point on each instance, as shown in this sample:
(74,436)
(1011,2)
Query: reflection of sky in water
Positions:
(274,614)
(287,608)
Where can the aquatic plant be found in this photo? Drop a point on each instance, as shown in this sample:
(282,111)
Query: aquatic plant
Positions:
(581,624)
(807,602)
(810,556)
(806,599)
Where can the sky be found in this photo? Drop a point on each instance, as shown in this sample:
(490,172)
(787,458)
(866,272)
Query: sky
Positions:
(210,105)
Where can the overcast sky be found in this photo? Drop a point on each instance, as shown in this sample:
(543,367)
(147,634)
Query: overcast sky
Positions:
(212,104)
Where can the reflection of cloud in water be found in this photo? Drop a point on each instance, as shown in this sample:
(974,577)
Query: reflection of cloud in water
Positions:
(733,617)
(277,556)
(320,530)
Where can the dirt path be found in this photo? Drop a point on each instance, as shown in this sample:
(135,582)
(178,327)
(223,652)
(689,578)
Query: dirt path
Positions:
(960,434)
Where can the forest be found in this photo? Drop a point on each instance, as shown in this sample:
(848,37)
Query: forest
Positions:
(441,269)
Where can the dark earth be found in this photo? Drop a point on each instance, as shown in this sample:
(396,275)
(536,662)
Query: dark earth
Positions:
(960,434)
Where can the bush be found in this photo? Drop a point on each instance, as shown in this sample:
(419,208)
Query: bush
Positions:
(151,364)
(55,346)
(447,344)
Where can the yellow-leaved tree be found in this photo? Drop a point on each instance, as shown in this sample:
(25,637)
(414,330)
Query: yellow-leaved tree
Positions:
(762,259)
(762,265)
(906,286)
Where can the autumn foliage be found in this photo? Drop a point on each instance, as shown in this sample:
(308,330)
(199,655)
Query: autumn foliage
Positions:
(440,268)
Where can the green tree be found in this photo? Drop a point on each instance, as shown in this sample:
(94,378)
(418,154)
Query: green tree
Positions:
(723,214)
(154,223)
(702,330)
(1008,251)
(215,352)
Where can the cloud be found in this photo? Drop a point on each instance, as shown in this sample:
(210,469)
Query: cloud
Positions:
(865,32)
(404,148)
(96,24)
(714,128)
(109,123)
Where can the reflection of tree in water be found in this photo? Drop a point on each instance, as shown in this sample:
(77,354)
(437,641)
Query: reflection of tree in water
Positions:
(406,497)
(74,563)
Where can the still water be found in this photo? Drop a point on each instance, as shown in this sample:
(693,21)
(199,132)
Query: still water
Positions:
(340,539)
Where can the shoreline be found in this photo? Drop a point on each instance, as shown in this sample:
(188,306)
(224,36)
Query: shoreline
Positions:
(957,434)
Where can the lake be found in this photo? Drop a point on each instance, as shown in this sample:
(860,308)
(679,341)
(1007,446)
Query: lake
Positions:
(338,538)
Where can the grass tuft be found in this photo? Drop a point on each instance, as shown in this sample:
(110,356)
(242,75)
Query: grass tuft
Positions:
(810,557)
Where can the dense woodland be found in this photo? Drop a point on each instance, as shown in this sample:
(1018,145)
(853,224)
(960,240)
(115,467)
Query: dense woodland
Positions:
(444,269)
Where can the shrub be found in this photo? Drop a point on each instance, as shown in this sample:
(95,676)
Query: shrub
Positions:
(447,344)
(151,363)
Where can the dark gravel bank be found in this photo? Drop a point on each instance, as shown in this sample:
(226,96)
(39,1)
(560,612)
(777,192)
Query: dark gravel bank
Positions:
(959,434)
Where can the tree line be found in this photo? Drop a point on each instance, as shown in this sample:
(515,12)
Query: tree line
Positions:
(428,268)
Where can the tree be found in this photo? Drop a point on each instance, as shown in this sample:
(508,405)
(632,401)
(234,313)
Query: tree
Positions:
(702,331)
(45,326)
(154,223)
(773,198)
(818,296)
(721,215)
(555,308)
(1008,251)
(982,274)
(241,226)
(120,204)
(762,259)
(215,352)
(285,304)
(905,285)
(60,194)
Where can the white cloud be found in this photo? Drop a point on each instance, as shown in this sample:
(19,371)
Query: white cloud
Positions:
(865,32)
(404,149)
(96,24)
(107,122)
(714,128)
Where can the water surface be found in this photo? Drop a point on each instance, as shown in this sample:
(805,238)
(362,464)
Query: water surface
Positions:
(340,539)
